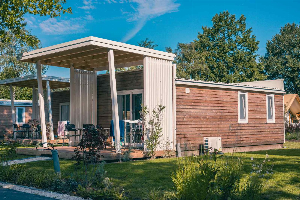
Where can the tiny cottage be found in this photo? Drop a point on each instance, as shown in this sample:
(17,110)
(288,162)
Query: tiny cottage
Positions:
(243,117)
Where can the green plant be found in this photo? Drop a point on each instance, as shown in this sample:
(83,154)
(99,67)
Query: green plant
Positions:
(152,128)
(215,177)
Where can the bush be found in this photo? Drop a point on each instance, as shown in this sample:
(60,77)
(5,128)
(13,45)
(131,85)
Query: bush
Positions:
(212,177)
(97,186)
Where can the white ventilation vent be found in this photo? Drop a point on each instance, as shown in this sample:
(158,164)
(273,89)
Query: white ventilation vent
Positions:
(212,143)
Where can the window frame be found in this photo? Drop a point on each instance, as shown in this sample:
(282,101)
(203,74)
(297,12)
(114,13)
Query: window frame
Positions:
(63,104)
(131,92)
(23,115)
(247,110)
(267,107)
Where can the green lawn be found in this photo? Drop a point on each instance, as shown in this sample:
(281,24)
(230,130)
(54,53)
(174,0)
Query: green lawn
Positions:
(141,178)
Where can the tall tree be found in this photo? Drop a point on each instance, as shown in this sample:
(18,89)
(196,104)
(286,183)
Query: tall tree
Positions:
(11,67)
(147,44)
(282,60)
(13,13)
(225,52)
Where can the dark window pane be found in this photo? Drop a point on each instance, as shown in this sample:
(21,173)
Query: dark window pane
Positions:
(243,106)
(136,106)
(20,115)
(270,107)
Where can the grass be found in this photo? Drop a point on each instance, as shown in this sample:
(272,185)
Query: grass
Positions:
(140,178)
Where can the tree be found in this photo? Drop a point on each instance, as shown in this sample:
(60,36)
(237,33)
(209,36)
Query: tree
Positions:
(147,44)
(13,13)
(282,60)
(12,67)
(225,52)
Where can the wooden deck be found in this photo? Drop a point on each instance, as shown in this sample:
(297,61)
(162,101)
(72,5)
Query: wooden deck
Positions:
(68,153)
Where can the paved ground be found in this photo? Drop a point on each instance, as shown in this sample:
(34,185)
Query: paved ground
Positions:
(9,194)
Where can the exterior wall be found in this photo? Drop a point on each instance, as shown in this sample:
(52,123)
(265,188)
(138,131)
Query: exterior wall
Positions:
(6,119)
(56,99)
(214,113)
(129,80)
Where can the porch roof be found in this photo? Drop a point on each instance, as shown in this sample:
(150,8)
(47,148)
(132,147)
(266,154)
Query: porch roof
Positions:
(31,81)
(91,53)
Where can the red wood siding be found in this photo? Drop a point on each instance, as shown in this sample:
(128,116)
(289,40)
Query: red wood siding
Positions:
(214,113)
(125,81)
(6,119)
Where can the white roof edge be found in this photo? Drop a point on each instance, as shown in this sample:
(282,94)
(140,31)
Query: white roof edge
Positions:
(98,42)
(232,86)
(27,101)
(31,77)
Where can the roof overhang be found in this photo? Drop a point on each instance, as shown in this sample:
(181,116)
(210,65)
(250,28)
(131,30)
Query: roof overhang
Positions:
(91,53)
(31,81)
(229,86)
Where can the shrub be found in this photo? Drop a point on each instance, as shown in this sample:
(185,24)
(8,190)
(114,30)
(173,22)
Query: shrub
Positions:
(152,128)
(213,177)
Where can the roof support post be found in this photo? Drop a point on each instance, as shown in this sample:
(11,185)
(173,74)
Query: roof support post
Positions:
(174,104)
(113,90)
(50,111)
(94,118)
(13,112)
(72,94)
(33,115)
(42,104)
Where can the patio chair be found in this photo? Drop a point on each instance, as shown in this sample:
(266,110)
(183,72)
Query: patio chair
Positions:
(26,129)
(88,126)
(17,130)
(37,132)
(71,127)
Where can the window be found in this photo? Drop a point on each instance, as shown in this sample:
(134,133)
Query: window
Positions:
(129,103)
(64,111)
(270,108)
(20,115)
(243,107)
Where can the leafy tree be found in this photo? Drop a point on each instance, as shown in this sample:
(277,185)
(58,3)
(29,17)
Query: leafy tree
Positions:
(225,52)
(282,60)
(11,66)
(13,13)
(147,44)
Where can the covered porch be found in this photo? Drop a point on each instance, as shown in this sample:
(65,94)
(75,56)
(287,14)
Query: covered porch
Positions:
(85,57)
(39,105)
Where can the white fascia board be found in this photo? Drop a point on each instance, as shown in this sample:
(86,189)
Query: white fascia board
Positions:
(33,77)
(57,48)
(228,86)
(94,41)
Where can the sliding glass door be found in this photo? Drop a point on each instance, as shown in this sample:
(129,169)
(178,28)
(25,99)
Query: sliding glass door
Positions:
(130,104)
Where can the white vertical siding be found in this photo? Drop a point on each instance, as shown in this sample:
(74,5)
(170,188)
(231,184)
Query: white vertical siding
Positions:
(83,107)
(158,88)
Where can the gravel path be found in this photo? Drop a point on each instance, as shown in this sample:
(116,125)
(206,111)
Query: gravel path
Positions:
(25,160)
(33,191)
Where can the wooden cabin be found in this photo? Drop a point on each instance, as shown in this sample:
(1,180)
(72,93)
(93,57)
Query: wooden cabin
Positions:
(240,117)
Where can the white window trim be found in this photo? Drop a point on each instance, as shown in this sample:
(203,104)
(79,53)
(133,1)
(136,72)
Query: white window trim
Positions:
(246,96)
(62,104)
(273,99)
(23,115)
(131,92)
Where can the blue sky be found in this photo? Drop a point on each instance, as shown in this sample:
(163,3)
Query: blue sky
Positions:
(166,22)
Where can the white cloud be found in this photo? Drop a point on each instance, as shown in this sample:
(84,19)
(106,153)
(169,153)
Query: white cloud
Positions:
(89,17)
(145,10)
(31,21)
(54,27)
(88,5)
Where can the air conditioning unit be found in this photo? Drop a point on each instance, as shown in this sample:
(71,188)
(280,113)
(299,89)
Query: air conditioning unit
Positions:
(212,143)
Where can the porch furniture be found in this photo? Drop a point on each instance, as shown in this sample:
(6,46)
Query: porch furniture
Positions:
(18,130)
(71,127)
(88,126)
(26,129)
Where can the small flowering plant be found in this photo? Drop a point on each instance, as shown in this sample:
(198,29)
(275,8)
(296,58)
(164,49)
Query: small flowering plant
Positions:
(264,168)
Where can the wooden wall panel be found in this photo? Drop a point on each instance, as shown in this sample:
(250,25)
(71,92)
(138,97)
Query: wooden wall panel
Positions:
(129,80)
(57,98)
(214,113)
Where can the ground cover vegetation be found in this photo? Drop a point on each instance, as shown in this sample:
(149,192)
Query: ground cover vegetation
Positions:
(269,174)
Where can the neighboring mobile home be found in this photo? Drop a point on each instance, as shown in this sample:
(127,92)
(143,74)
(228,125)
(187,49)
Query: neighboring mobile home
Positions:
(245,116)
